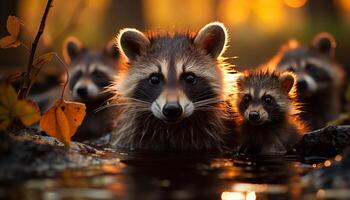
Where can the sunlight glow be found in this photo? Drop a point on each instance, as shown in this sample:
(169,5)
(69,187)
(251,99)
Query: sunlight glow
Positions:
(238,196)
(344,5)
(295,3)
(327,163)
(234,12)
(270,15)
(232,196)
(251,196)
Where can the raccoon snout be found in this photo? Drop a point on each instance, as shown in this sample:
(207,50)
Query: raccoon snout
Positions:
(82,91)
(172,111)
(254,116)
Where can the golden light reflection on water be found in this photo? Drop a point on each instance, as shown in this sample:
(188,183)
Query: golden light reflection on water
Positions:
(238,196)
(247,191)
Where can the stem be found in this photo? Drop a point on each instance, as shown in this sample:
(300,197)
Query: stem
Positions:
(24,90)
(66,69)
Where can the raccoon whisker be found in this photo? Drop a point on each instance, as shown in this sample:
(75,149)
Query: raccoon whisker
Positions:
(207,102)
(133,99)
(216,99)
(204,95)
(144,132)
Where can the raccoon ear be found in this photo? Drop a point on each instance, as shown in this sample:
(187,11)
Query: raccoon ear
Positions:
(111,50)
(212,38)
(72,47)
(132,42)
(240,79)
(287,81)
(324,43)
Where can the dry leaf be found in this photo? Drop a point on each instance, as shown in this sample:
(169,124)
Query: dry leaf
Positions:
(27,111)
(9,42)
(40,62)
(13,26)
(11,108)
(44,58)
(63,119)
(14,76)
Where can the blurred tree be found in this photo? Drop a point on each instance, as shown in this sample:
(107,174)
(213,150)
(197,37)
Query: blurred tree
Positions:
(123,13)
(8,58)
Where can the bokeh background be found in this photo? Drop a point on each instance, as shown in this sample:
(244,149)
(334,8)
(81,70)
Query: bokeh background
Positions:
(257,27)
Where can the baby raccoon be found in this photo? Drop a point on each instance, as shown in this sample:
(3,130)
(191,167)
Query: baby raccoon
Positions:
(91,71)
(172,93)
(265,103)
(319,78)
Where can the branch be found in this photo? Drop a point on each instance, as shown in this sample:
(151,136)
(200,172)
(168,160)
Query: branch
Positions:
(24,90)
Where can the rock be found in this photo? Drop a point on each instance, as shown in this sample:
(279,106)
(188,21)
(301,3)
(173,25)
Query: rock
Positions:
(327,142)
(27,153)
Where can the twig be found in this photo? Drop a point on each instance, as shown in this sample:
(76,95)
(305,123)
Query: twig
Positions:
(66,69)
(24,90)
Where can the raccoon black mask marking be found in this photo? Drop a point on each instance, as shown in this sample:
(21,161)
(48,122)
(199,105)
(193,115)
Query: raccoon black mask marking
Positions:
(173,91)
(266,107)
(319,77)
(91,71)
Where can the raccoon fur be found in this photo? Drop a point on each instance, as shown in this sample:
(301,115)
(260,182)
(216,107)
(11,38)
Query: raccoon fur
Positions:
(172,92)
(319,78)
(268,120)
(91,71)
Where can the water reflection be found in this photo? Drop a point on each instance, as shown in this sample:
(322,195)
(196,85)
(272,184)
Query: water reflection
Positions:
(168,176)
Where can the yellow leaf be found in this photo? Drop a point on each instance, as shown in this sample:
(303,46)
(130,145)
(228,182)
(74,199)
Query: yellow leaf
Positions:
(41,60)
(63,119)
(13,26)
(9,42)
(5,121)
(8,96)
(27,111)
(11,108)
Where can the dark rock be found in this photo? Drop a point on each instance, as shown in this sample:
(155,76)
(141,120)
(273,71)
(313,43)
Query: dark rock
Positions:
(27,154)
(327,142)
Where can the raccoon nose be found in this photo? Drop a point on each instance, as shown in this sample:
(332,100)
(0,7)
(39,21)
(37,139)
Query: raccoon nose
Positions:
(172,110)
(254,116)
(301,85)
(82,91)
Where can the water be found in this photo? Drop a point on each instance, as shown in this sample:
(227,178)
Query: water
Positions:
(169,176)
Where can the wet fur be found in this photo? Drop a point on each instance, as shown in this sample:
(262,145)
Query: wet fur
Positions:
(283,129)
(324,105)
(97,122)
(210,128)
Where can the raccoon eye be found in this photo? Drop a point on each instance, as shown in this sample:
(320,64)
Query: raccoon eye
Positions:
(190,78)
(267,99)
(98,74)
(246,99)
(155,79)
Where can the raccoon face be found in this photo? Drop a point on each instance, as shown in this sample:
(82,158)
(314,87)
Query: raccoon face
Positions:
(90,71)
(263,97)
(313,66)
(174,75)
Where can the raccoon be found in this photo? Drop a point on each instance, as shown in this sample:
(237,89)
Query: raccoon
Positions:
(319,78)
(91,71)
(268,119)
(172,93)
